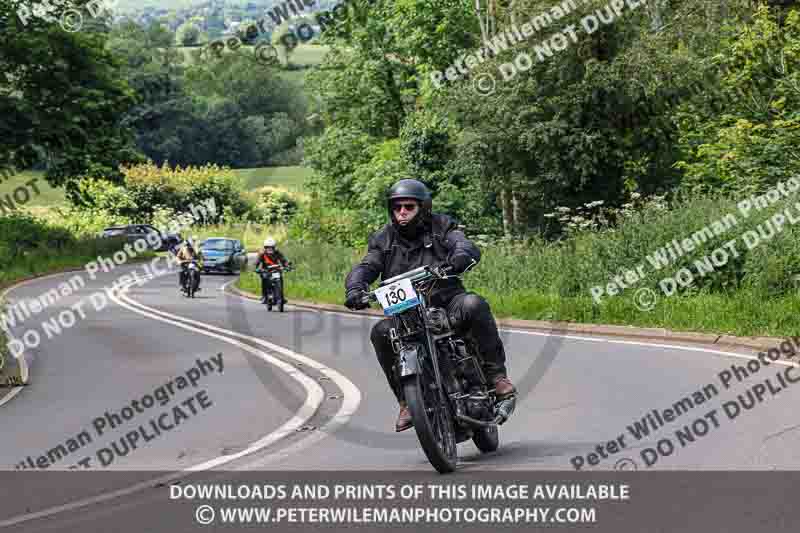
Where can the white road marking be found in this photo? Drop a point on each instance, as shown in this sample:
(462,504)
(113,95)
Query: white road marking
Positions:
(352,399)
(352,395)
(21,361)
(565,336)
(131,305)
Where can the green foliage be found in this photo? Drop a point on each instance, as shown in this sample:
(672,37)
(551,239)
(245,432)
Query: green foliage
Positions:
(148,188)
(750,144)
(85,222)
(372,179)
(316,222)
(273,206)
(285,41)
(603,242)
(188,34)
(30,246)
(20,233)
(335,155)
(565,272)
(226,110)
(62,100)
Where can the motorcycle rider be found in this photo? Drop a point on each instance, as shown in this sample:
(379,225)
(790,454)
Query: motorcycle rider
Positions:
(268,257)
(186,254)
(173,243)
(415,237)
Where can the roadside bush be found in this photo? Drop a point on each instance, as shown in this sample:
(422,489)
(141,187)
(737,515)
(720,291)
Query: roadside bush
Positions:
(148,188)
(20,233)
(593,250)
(177,188)
(272,206)
(751,145)
(108,197)
(33,246)
(83,221)
(317,223)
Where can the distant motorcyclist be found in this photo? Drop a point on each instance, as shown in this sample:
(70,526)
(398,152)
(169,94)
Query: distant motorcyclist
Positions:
(270,256)
(173,243)
(415,237)
(186,254)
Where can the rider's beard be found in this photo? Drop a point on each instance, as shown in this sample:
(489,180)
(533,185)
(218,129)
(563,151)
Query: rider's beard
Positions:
(413,228)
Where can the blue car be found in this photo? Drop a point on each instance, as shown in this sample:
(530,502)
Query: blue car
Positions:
(223,255)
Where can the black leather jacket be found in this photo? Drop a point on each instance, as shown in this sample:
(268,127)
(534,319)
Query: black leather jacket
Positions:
(389,255)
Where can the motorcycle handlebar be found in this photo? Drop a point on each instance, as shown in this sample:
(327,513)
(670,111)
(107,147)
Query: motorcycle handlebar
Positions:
(419,274)
(369,297)
(275,267)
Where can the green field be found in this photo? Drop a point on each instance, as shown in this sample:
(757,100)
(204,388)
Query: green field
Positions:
(308,54)
(290,178)
(49,196)
(303,55)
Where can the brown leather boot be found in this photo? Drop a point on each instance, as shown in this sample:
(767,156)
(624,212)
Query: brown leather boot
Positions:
(503,387)
(403,419)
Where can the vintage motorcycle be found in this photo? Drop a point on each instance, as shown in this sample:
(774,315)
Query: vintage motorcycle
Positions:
(275,294)
(192,279)
(440,372)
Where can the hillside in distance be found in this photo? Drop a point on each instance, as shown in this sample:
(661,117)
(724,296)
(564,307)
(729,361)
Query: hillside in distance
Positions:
(132,6)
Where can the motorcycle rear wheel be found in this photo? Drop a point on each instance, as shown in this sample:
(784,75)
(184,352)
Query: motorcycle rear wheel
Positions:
(432,421)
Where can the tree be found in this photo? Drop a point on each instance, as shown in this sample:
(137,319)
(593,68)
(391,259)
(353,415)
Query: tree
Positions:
(187,34)
(62,98)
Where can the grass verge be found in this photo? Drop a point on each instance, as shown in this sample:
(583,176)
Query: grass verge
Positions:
(252,235)
(320,270)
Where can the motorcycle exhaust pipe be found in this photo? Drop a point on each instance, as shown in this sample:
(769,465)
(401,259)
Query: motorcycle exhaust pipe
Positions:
(475,422)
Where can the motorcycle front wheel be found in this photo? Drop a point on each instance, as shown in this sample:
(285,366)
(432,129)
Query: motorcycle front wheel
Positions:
(193,281)
(432,421)
(279,293)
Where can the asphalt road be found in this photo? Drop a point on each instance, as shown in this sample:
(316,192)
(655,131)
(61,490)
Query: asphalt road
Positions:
(302,391)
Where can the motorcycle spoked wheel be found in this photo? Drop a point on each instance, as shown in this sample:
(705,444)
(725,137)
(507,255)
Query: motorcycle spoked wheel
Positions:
(193,281)
(432,420)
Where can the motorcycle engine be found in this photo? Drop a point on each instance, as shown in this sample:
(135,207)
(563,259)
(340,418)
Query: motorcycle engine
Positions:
(478,407)
(438,321)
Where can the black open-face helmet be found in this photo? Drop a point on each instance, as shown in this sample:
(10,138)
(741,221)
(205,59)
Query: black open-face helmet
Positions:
(416,190)
(410,189)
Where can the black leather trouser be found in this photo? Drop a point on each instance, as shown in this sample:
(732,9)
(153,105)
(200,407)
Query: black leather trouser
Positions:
(468,312)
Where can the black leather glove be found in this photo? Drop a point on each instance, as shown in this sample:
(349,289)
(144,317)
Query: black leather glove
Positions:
(354,299)
(441,267)
(460,263)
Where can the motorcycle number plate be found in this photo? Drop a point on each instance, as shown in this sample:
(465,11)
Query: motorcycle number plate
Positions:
(397,297)
(276,275)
